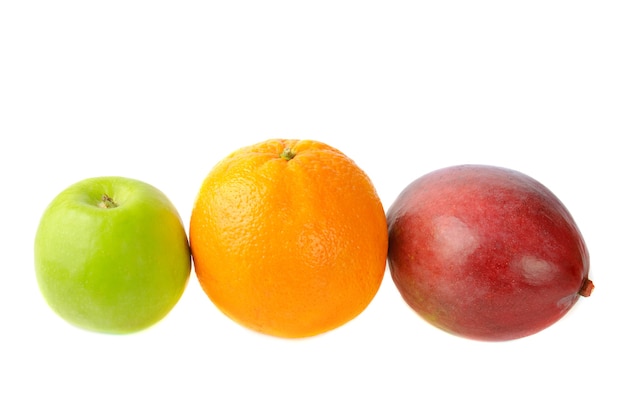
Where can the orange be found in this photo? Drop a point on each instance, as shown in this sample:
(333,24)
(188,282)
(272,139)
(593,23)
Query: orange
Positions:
(289,238)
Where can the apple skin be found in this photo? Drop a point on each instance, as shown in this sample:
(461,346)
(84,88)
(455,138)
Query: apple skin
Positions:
(112,269)
(485,252)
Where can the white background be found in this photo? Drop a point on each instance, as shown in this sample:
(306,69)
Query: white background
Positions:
(161,91)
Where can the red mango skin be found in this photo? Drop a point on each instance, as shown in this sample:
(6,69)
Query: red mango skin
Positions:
(485,252)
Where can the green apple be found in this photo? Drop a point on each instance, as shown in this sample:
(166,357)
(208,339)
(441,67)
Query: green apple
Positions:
(112,255)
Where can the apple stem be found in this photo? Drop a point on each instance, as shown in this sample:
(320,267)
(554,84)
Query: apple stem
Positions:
(107,202)
(288,154)
(586,288)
